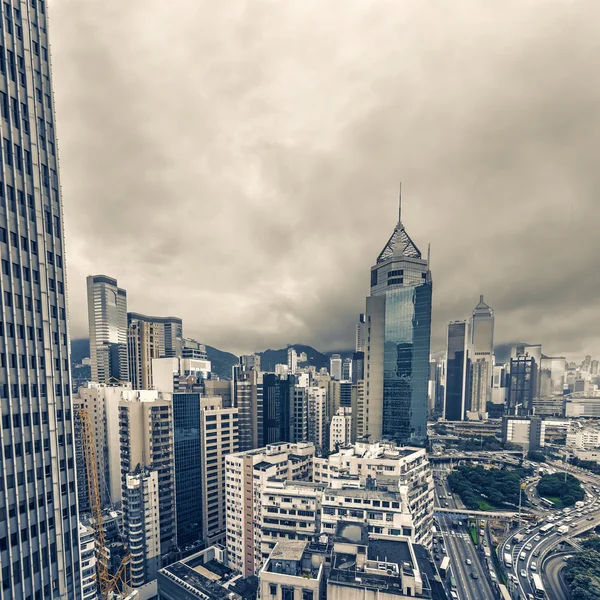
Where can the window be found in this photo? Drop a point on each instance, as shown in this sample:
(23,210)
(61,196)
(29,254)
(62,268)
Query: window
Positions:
(287,593)
(4,103)
(307,595)
(8,152)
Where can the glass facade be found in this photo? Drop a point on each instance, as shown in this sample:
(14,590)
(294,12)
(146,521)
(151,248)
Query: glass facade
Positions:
(456,372)
(188,468)
(39,530)
(406,363)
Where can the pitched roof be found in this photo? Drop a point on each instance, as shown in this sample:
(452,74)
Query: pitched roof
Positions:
(399,242)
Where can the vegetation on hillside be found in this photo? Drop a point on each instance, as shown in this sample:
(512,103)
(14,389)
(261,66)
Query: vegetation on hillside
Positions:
(582,571)
(563,491)
(483,489)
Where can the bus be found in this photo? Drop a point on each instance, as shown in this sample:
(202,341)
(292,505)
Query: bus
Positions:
(445,567)
(547,502)
(546,528)
(537,587)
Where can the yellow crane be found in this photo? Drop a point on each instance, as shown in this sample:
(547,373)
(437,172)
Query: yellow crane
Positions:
(107,583)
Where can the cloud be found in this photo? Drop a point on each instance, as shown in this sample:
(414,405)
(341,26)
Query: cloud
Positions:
(237,163)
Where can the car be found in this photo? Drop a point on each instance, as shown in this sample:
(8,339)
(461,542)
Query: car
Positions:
(590,518)
(524,573)
(474,575)
(507,547)
(536,553)
(443,550)
(566,558)
(468,561)
(446,505)
(522,556)
(533,566)
(436,556)
(574,524)
(537,538)
(530,597)
(453,595)
(528,547)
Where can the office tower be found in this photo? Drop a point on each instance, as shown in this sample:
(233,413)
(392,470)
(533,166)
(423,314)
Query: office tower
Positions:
(335,366)
(482,357)
(360,334)
(292,361)
(193,349)
(107,318)
(141,524)
(317,417)
(534,351)
(87,552)
(500,388)
(172,375)
(250,361)
(552,378)
(594,367)
(245,475)
(347,369)
(220,437)
(339,394)
(458,369)
(245,399)
(340,429)
(398,320)
(187,446)
(148,338)
(523,383)
(146,440)
(277,408)
(299,415)
(38,498)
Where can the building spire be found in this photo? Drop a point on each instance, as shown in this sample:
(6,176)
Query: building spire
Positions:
(428,255)
(400,204)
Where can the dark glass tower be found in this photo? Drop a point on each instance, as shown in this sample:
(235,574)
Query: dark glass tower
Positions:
(458,369)
(398,322)
(188,468)
(39,542)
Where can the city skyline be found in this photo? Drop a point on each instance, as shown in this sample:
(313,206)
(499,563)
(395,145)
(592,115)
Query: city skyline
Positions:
(264,238)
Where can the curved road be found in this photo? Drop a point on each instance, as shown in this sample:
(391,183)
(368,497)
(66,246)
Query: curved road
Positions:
(556,588)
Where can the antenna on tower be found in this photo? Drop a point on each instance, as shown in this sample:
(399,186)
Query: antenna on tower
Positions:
(428,255)
(400,204)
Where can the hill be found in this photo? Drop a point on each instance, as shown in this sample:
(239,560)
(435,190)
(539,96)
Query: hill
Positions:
(270,358)
(221,361)
(80,349)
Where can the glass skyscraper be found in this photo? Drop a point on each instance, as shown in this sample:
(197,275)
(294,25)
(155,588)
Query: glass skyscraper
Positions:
(458,371)
(398,324)
(39,543)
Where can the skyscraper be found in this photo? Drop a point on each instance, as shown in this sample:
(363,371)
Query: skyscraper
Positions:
(482,357)
(38,499)
(398,321)
(107,317)
(458,368)
(335,366)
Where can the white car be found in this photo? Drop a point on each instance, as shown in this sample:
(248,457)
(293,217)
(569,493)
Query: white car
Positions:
(524,573)
(528,547)
(537,538)
(468,561)
(533,566)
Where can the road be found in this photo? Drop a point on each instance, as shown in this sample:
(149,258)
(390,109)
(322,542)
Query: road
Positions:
(535,544)
(460,548)
(556,588)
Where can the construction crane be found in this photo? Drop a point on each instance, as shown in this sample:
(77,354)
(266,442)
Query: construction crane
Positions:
(107,584)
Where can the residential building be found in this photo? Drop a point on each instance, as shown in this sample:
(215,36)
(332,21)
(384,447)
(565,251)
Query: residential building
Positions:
(245,474)
(292,361)
(220,437)
(142,524)
(359,429)
(250,361)
(335,366)
(340,429)
(219,387)
(482,358)
(87,552)
(317,417)
(383,466)
(146,440)
(277,408)
(347,369)
(585,437)
(205,575)
(39,526)
(458,370)
(245,399)
(299,415)
(149,338)
(171,375)
(107,318)
(500,389)
(193,349)
(398,321)
(339,394)
(289,510)
(358,367)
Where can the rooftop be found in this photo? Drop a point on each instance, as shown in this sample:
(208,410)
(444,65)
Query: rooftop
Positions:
(354,533)
(288,550)
(364,493)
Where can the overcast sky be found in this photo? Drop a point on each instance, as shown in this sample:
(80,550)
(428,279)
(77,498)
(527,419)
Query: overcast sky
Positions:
(236,163)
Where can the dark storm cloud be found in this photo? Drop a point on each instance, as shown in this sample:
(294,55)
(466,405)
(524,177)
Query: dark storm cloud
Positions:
(237,163)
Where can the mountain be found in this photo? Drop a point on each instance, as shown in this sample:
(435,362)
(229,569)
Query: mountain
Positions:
(221,361)
(270,358)
(80,349)
(346,353)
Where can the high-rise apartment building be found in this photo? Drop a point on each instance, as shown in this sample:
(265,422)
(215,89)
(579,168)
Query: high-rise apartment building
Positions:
(246,474)
(146,440)
(299,415)
(347,369)
(292,361)
(359,346)
(250,361)
(245,399)
(193,349)
(141,524)
(458,370)
(220,437)
(335,366)
(482,357)
(87,551)
(398,321)
(317,417)
(172,375)
(340,429)
(149,338)
(39,527)
(107,318)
